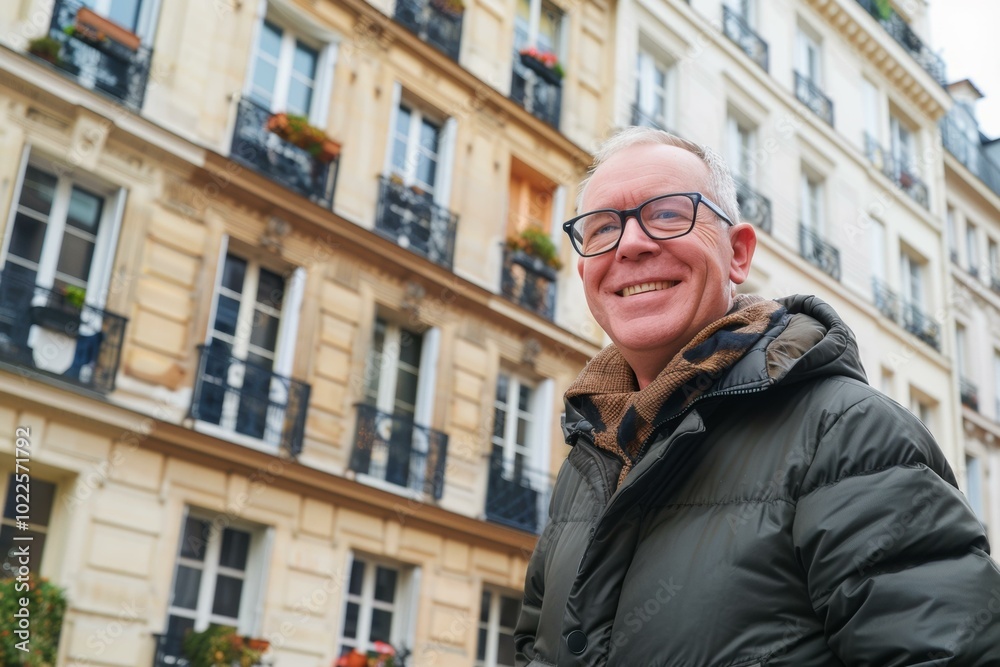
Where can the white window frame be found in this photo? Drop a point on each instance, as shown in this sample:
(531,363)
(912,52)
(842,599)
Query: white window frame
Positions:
(404,608)
(951,230)
(742,144)
(878,250)
(972,246)
(647,64)
(809,57)
(912,280)
(536,450)
(961,350)
(254,576)
(301,29)
(440,190)
(870,99)
(48,547)
(812,193)
(493,626)
(534,20)
(904,146)
(145,22)
(746,9)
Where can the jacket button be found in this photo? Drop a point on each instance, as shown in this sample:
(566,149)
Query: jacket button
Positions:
(577,642)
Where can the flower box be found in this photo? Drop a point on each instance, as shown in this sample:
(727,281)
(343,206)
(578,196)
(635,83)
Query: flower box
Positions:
(91,26)
(452,8)
(296,130)
(544,64)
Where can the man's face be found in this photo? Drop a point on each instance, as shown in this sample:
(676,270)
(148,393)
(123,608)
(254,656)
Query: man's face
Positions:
(652,297)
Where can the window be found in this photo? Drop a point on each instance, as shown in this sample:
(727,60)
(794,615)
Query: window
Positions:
(654,82)
(243,384)
(923,407)
(218,578)
(974,485)
(994,257)
(912,279)
(743,8)
(961,351)
(903,148)
(972,248)
(42,497)
(812,203)
(886,383)
(870,99)
(497,618)
(809,57)
(374,608)
(538,23)
(996,385)
(285,71)
(530,203)
(135,15)
(742,142)
(952,233)
(416,148)
(513,424)
(877,236)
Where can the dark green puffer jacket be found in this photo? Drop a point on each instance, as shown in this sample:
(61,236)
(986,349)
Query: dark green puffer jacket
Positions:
(792,517)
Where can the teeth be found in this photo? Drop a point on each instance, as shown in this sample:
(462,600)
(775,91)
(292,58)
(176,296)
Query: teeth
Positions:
(648,287)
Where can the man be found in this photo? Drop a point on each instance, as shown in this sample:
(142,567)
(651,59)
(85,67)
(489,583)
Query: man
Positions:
(736,494)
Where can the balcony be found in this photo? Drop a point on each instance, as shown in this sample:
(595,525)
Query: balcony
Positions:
(537,89)
(737,29)
(755,208)
(170,647)
(810,95)
(818,252)
(396,450)
(970,153)
(921,326)
(899,171)
(529,282)
(410,218)
(886,300)
(517,496)
(969,393)
(995,283)
(434,21)
(900,31)
(281,161)
(244,398)
(43,333)
(100,54)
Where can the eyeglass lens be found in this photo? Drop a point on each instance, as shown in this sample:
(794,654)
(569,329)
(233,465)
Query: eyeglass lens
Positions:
(662,218)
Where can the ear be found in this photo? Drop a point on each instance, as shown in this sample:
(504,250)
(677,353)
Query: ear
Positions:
(743,239)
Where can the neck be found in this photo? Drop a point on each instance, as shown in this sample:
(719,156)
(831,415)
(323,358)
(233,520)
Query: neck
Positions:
(647,366)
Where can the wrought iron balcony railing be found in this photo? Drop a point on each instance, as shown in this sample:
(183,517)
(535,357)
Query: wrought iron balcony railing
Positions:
(970,153)
(810,95)
(755,208)
(99,61)
(248,399)
(969,393)
(886,300)
(395,449)
(737,29)
(517,496)
(281,161)
(900,31)
(44,333)
(644,119)
(818,252)
(537,89)
(434,21)
(921,326)
(900,171)
(529,282)
(170,651)
(412,219)
(995,283)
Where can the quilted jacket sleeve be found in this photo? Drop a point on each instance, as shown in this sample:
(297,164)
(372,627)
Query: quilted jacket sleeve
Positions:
(897,564)
(531,609)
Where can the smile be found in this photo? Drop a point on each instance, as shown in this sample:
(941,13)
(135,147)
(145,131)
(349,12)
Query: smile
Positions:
(641,288)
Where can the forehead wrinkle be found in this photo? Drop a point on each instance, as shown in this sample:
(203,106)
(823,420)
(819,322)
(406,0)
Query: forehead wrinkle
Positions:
(625,182)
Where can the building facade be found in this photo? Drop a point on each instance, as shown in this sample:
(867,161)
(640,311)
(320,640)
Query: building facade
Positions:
(287,310)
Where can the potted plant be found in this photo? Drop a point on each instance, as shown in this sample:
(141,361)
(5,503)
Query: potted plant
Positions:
(47,48)
(452,8)
(543,63)
(46,607)
(884,9)
(221,646)
(537,244)
(380,655)
(297,131)
(74,296)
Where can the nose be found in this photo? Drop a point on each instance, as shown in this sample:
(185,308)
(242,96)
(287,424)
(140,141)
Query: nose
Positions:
(635,242)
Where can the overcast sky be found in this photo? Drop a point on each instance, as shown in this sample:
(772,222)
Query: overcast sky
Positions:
(967,35)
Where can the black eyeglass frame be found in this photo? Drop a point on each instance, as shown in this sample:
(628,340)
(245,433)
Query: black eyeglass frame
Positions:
(624,214)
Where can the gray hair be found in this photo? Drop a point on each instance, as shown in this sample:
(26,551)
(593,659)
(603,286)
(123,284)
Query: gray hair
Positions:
(722,187)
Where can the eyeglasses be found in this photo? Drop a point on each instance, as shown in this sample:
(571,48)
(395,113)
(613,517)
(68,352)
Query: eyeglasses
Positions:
(661,218)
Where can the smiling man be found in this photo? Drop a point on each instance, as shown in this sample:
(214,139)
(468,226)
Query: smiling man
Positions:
(736,494)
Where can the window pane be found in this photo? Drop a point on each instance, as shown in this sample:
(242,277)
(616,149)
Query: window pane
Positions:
(84,210)
(381,626)
(186,587)
(522,431)
(481,645)
(125,13)
(484,607)
(505,650)
(265,74)
(233,273)
(196,533)
(385,584)
(426,169)
(357,578)
(38,190)
(265,331)
(509,610)
(235,547)
(26,238)
(304,61)
(177,628)
(227,596)
(524,398)
(299,97)
(226,312)
(270,289)
(406,387)
(403,121)
(429,136)
(409,348)
(10,548)
(75,257)
(499,422)
(351,620)
(502,382)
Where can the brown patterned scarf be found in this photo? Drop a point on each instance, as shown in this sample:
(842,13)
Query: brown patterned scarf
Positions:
(607,394)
